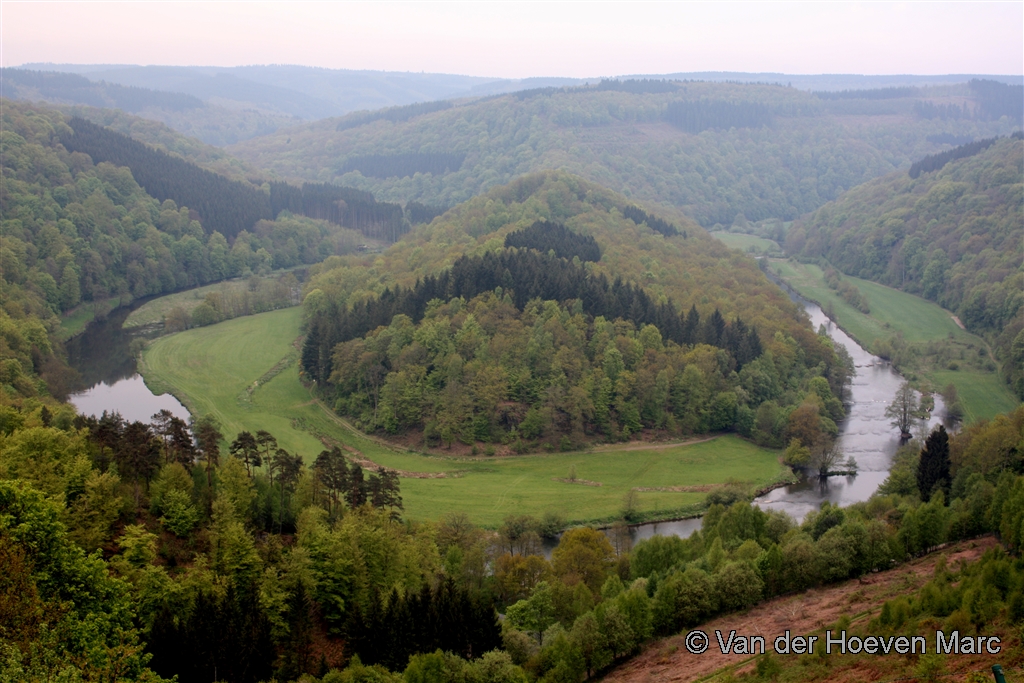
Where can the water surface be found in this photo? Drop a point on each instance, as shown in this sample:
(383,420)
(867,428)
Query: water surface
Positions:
(105,358)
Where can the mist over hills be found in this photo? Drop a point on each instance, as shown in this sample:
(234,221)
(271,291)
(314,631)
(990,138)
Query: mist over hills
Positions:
(714,150)
(239,103)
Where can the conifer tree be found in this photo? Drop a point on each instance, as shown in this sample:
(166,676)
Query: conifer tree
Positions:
(933,467)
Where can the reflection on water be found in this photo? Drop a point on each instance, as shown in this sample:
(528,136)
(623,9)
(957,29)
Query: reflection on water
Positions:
(103,357)
(130,397)
(866,434)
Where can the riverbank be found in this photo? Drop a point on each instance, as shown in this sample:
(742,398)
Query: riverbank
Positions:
(923,339)
(211,368)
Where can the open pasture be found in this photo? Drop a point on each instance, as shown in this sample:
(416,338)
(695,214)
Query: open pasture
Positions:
(212,370)
(748,243)
(982,392)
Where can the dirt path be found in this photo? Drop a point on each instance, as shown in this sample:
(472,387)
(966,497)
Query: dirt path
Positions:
(806,613)
(654,446)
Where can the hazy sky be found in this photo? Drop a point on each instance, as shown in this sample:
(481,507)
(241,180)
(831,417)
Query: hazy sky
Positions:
(527,38)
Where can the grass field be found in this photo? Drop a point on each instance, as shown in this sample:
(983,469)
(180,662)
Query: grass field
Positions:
(982,392)
(748,243)
(211,368)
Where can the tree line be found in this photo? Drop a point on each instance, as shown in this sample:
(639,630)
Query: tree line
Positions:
(404,165)
(523,275)
(638,216)
(344,206)
(936,161)
(69,87)
(393,114)
(868,94)
(546,236)
(638,86)
(231,207)
(224,205)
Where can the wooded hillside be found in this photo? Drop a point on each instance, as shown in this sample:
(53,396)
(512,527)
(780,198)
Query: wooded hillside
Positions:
(713,150)
(538,342)
(952,234)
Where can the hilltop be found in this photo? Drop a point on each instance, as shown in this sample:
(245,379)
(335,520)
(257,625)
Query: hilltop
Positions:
(551,312)
(714,150)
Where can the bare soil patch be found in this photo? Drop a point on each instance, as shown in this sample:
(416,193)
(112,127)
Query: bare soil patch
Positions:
(668,660)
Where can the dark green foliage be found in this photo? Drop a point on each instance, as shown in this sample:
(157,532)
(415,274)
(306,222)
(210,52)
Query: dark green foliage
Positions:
(638,216)
(937,161)
(220,637)
(694,117)
(393,114)
(446,618)
(933,466)
(545,236)
(226,206)
(999,99)
(422,213)
(404,165)
(345,206)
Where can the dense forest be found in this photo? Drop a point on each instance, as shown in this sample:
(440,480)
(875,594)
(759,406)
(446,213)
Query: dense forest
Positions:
(77,232)
(227,206)
(224,556)
(540,314)
(713,150)
(950,234)
(529,342)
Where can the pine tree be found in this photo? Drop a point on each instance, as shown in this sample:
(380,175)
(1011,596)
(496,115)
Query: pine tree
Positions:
(933,467)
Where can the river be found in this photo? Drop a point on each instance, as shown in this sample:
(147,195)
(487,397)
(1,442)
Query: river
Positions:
(104,358)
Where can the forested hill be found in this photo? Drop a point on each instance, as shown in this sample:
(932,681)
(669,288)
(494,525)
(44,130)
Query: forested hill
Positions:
(714,150)
(78,230)
(951,234)
(495,323)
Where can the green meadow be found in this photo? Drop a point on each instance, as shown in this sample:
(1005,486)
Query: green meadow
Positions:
(747,243)
(244,372)
(982,392)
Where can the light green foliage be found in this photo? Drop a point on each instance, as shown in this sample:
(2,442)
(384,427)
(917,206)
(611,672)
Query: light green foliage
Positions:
(357,672)
(61,591)
(534,614)
(209,368)
(236,489)
(91,515)
(171,477)
(54,461)
(180,515)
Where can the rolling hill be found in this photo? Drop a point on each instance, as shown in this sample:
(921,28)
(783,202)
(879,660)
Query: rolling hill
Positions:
(952,234)
(713,150)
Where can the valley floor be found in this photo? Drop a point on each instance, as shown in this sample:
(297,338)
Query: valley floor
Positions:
(945,353)
(244,372)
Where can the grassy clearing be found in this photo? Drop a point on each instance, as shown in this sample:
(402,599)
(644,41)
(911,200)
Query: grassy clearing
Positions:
(211,369)
(982,392)
(748,243)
